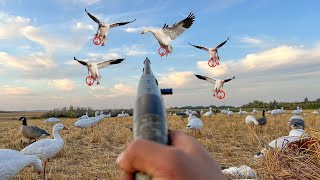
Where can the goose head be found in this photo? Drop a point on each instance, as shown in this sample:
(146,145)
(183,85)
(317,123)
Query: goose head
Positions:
(96,113)
(58,127)
(24,120)
(145,31)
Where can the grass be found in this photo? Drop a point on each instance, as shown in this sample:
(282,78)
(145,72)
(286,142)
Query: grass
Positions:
(88,155)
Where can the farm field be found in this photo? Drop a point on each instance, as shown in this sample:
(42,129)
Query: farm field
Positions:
(92,155)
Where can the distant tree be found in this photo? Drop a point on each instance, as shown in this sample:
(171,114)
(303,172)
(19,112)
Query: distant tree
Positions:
(306,100)
(318,100)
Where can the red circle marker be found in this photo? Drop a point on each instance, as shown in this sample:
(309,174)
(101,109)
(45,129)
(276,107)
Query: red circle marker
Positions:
(220,94)
(162,51)
(89,80)
(96,40)
(213,62)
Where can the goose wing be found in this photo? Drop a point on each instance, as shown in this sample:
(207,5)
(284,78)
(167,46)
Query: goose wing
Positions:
(178,28)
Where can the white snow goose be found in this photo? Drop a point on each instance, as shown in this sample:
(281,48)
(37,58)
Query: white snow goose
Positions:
(52,120)
(167,33)
(208,113)
(194,123)
(213,52)
(297,111)
(254,111)
(218,83)
(31,132)
(93,68)
(84,116)
(103,28)
(121,115)
(12,162)
(46,148)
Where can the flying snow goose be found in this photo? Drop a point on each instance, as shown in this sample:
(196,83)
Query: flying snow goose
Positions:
(194,123)
(257,121)
(167,33)
(103,28)
(208,113)
(93,68)
(218,83)
(46,148)
(213,52)
(12,162)
(52,120)
(31,132)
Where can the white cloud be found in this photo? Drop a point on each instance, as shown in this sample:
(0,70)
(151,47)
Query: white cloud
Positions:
(62,84)
(14,91)
(116,91)
(85,2)
(175,79)
(32,62)
(83,26)
(133,29)
(251,40)
(11,26)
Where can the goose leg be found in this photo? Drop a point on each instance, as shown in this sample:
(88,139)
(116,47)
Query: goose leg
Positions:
(44,169)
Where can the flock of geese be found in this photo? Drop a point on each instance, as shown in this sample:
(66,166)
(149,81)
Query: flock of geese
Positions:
(12,161)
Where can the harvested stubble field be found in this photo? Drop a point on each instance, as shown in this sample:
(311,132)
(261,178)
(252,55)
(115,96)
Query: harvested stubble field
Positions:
(88,155)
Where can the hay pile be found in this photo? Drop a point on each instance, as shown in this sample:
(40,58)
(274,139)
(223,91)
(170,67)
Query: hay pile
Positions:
(300,160)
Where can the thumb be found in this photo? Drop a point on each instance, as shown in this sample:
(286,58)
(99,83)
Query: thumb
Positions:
(149,157)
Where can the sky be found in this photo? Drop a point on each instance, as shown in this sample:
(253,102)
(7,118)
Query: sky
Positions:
(273,50)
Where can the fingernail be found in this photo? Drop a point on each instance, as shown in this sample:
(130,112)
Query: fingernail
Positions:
(119,158)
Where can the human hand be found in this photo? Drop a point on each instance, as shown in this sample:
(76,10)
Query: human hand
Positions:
(185,158)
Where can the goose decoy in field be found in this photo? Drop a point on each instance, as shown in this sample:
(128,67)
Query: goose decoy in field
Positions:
(194,123)
(82,123)
(52,120)
(103,28)
(93,68)
(166,34)
(12,162)
(46,148)
(84,116)
(257,121)
(296,122)
(31,132)
(201,112)
(242,172)
(213,52)
(208,113)
(297,111)
(229,113)
(242,112)
(121,115)
(218,83)
(254,111)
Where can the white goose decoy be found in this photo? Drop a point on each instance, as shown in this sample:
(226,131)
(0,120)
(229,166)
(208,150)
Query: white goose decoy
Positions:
(93,68)
(104,28)
(52,120)
(213,52)
(95,120)
(297,111)
(121,115)
(230,113)
(282,111)
(84,116)
(242,112)
(254,111)
(208,113)
(82,123)
(201,112)
(167,34)
(218,83)
(108,115)
(12,162)
(46,148)
(194,123)
(242,172)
